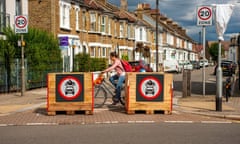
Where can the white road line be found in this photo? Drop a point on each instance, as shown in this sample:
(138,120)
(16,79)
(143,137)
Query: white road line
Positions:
(178,121)
(218,122)
(36,124)
(141,121)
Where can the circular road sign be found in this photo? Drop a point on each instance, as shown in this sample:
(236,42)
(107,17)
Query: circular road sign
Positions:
(21,21)
(69,88)
(204,13)
(150,88)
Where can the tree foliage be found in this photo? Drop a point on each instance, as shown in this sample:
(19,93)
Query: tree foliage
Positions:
(84,63)
(213,51)
(42,50)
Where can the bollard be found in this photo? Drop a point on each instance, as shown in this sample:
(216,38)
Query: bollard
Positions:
(186,83)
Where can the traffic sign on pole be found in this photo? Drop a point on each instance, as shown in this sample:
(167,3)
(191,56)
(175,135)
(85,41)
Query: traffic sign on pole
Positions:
(21,24)
(204,16)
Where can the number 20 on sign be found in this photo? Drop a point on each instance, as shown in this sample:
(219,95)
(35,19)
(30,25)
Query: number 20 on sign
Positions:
(21,24)
(204,15)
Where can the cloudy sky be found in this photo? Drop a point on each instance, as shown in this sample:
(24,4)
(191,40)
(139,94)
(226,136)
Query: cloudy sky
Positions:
(184,13)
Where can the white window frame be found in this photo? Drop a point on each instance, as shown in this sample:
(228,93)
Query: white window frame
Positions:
(109,26)
(77,18)
(170,39)
(104,52)
(93,20)
(92,51)
(140,33)
(115,28)
(121,31)
(103,23)
(64,14)
(84,20)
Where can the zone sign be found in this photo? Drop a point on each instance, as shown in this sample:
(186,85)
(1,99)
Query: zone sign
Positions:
(21,24)
(204,16)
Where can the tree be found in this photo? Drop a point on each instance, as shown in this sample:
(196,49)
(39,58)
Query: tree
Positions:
(7,52)
(41,51)
(213,51)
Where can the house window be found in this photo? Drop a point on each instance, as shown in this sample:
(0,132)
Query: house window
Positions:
(121,30)
(109,26)
(92,51)
(77,19)
(65,15)
(84,49)
(92,21)
(84,20)
(115,28)
(104,50)
(169,39)
(140,34)
(18,7)
(103,24)
(129,31)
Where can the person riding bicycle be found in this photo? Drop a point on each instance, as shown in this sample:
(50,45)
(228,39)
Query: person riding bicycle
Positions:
(119,76)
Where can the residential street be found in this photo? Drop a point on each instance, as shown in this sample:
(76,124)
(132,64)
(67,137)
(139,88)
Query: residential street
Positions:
(167,133)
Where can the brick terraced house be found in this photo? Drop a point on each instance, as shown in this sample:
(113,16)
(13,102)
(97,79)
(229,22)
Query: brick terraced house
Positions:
(98,27)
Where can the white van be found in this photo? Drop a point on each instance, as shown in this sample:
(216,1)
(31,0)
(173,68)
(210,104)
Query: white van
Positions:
(171,66)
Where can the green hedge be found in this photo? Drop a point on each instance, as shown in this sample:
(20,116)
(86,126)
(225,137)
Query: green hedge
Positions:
(84,63)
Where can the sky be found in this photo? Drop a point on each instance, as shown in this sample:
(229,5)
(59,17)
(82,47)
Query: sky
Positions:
(184,12)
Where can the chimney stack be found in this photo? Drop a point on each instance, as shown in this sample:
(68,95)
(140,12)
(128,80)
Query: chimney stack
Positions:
(124,5)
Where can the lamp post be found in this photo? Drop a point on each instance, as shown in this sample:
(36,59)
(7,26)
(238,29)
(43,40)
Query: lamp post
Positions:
(157,1)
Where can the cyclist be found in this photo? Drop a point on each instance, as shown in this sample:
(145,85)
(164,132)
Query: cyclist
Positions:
(119,76)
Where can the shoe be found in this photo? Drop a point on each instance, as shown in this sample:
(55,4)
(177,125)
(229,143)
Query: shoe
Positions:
(115,102)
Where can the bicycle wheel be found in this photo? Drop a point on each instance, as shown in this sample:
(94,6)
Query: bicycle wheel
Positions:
(100,96)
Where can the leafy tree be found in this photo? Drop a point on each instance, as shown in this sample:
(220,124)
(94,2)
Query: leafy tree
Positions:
(213,51)
(7,52)
(41,51)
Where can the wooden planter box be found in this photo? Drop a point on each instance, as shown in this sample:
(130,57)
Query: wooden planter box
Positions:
(70,92)
(149,92)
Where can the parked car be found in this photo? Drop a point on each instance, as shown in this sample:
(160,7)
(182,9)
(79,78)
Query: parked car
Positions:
(140,66)
(228,67)
(205,62)
(171,66)
(186,65)
(196,64)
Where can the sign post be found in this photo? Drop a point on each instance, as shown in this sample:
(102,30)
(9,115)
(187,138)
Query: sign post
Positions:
(204,18)
(21,26)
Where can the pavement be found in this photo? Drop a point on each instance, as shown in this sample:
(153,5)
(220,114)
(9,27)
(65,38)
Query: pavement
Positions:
(30,109)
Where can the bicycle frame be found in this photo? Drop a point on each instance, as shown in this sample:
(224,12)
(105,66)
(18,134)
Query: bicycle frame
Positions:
(101,92)
(106,85)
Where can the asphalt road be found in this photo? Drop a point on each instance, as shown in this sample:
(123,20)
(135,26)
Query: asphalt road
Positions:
(165,133)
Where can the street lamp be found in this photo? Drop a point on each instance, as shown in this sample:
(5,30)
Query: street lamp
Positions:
(157,1)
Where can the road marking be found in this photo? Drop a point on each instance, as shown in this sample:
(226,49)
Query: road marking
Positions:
(107,122)
(178,121)
(217,122)
(36,124)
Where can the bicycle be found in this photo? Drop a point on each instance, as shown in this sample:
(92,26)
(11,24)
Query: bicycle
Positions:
(103,87)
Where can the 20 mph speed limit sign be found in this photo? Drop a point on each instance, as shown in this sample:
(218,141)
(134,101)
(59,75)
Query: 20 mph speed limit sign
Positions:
(21,24)
(204,16)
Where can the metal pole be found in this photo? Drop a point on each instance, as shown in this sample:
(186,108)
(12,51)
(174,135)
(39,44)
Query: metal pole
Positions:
(23,71)
(219,81)
(156,35)
(204,57)
(72,58)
